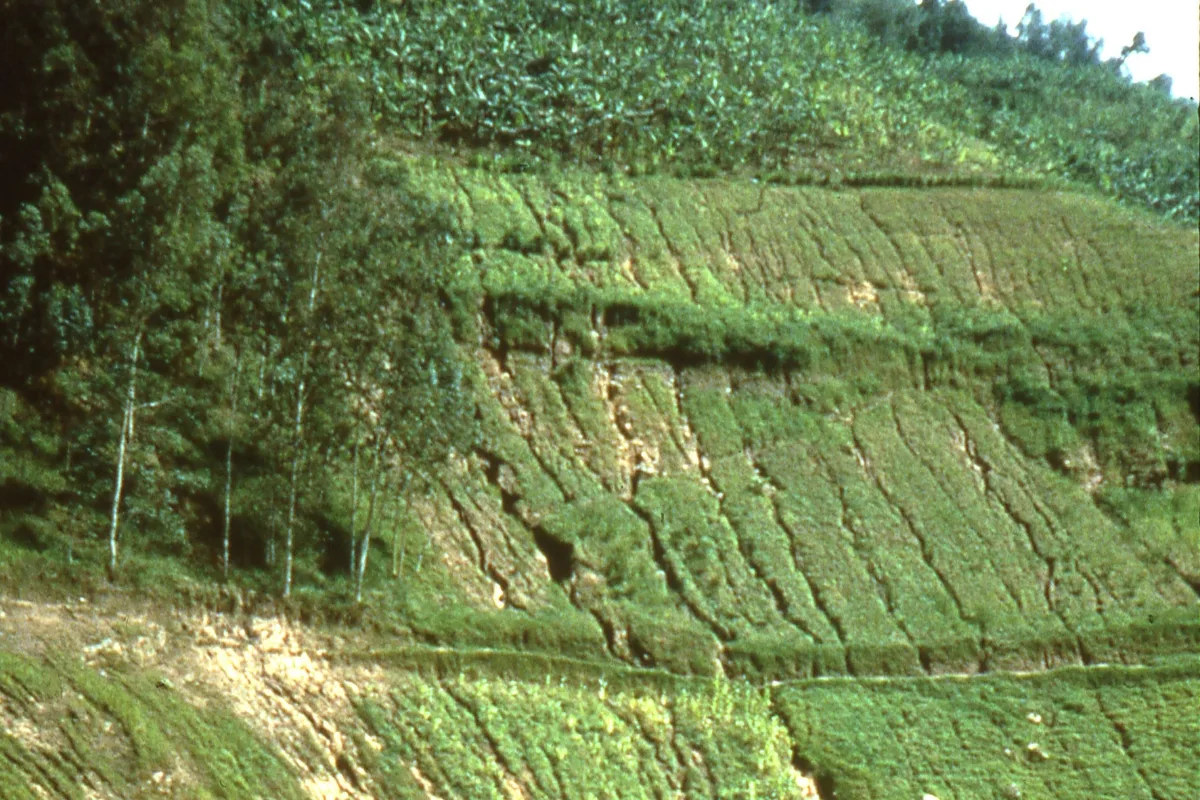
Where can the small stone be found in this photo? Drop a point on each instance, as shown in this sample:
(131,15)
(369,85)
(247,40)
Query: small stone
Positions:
(1035,718)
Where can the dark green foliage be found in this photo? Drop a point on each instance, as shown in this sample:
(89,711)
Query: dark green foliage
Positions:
(613,82)
(1141,145)
(763,86)
(193,221)
(891,409)
(121,144)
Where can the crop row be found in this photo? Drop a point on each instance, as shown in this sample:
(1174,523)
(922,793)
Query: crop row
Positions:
(1074,734)
(673,519)
(727,242)
(489,738)
(71,731)
(1103,732)
(534,731)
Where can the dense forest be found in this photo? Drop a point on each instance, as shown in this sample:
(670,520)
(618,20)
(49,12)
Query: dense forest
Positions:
(233,322)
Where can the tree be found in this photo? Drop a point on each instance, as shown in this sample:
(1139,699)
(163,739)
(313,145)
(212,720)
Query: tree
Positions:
(893,22)
(1061,40)
(120,142)
(206,266)
(1135,47)
(947,27)
(395,343)
(1162,83)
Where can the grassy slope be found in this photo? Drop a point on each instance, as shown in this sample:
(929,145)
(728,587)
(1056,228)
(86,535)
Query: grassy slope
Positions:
(864,513)
(74,731)
(783,434)
(891,501)
(553,730)
(774,480)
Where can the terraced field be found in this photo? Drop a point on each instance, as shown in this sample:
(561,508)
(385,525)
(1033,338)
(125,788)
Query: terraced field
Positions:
(864,493)
(876,456)
(127,703)
(868,431)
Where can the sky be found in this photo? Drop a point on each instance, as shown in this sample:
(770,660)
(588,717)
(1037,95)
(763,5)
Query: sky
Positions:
(1172,29)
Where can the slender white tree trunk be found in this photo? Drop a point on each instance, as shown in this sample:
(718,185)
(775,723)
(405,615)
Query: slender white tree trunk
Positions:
(399,537)
(233,403)
(217,315)
(122,446)
(298,437)
(364,547)
(297,440)
(262,373)
(354,504)
(212,322)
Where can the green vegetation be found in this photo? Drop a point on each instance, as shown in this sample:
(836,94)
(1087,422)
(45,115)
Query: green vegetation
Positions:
(477,738)
(75,732)
(728,391)
(1079,733)
(1073,732)
(764,87)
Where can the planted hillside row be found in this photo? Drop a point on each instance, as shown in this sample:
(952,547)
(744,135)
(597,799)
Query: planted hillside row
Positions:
(1077,733)
(768,88)
(73,731)
(900,532)
(487,729)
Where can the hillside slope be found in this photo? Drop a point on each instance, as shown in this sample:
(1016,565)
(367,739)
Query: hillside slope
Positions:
(114,699)
(868,430)
(861,493)
(594,399)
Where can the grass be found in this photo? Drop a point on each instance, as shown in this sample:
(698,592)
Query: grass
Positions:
(113,730)
(478,737)
(441,722)
(1075,733)
(822,432)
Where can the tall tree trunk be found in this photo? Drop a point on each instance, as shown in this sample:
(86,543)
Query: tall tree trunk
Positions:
(233,403)
(354,503)
(122,446)
(297,441)
(212,320)
(364,547)
(217,314)
(400,540)
(262,373)
(298,435)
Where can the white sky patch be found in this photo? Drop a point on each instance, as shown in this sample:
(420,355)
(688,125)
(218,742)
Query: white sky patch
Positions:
(1172,29)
